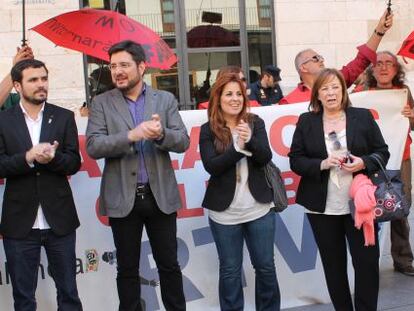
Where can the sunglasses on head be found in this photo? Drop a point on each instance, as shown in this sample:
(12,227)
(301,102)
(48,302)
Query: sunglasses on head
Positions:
(335,141)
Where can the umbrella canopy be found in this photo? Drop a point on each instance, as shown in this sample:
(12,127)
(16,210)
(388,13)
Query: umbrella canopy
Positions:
(211,36)
(93,32)
(407,48)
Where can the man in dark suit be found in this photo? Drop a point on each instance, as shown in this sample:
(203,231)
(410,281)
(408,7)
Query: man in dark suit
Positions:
(38,150)
(135,127)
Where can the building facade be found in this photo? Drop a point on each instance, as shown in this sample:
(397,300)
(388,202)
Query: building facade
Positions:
(206,35)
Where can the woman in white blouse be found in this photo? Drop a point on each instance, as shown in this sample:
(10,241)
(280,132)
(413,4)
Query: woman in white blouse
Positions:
(234,150)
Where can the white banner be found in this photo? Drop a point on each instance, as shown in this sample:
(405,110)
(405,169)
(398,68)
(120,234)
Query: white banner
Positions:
(296,254)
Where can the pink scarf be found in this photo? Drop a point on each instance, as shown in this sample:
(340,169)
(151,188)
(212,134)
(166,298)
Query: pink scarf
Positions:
(362,191)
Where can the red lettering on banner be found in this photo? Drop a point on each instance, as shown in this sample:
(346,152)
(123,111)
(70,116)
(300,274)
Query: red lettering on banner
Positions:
(192,154)
(175,165)
(185,212)
(276,132)
(293,186)
(103,219)
(374,113)
(88,164)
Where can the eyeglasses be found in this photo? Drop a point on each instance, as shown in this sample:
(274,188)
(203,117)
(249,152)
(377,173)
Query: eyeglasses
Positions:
(335,141)
(386,64)
(123,66)
(315,58)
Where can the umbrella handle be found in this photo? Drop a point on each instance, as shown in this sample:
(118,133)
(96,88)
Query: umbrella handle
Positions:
(389,7)
(24,22)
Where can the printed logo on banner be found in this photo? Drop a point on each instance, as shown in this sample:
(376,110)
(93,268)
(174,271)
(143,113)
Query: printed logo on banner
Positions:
(92,260)
(91,264)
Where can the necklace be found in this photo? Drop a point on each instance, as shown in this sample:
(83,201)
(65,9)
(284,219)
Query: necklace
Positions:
(334,121)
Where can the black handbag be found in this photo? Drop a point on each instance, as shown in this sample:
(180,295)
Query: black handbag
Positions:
(275,182)
(392,203)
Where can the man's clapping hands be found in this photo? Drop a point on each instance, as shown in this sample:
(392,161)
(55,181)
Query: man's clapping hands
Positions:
(150,130)
(42,153)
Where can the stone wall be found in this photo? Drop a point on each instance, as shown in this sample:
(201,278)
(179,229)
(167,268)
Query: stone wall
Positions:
(66,78)
(332,27)
(335,28)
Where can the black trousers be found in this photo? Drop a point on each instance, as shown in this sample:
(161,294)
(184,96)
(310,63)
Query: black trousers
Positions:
(331,234)
(162,234)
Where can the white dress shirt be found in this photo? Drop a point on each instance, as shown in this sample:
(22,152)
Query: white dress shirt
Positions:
(34,127)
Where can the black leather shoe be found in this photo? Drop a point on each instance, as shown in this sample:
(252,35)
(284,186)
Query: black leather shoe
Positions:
(409,270)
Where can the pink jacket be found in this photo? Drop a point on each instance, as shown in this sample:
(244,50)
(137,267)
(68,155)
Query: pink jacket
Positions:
(362,191)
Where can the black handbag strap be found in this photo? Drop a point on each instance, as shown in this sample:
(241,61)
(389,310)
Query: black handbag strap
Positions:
(379,160)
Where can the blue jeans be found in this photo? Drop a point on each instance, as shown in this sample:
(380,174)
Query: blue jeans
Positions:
(259,237)
(23,259)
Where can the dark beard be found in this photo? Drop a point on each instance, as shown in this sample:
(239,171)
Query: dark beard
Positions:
(34,101)
(129,86)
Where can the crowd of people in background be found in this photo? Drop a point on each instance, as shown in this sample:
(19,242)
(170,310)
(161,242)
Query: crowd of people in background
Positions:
(134,128)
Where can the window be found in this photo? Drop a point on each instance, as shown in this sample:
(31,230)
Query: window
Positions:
(97,4)
(209,35)
(168,81)
(264,12)
(167,8)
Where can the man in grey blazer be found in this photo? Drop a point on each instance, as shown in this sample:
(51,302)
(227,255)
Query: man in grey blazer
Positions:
(134,127)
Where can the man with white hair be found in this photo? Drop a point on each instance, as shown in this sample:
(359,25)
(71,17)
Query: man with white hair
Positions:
(388,73)
(309,63)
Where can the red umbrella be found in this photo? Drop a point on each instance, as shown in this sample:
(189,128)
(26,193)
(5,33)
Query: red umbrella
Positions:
(93,32)
(211,36)
(407,48)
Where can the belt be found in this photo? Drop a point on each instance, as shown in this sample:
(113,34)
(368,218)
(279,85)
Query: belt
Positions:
(142,190)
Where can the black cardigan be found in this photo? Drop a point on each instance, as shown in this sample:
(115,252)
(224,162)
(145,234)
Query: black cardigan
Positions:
(222,167)
(308,149)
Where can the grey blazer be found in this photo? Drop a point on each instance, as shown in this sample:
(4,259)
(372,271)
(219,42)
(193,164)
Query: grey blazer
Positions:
(108,125)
